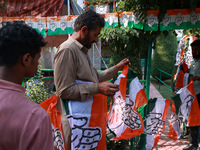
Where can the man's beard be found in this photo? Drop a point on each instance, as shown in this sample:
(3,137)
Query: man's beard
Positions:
(86,42)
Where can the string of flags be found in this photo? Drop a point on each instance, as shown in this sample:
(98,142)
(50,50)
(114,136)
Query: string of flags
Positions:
(173,19)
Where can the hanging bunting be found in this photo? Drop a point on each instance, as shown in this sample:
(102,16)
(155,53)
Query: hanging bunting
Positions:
(60,25)
(111,19)
(152,21)
(124,122)
(173,19)
(38,23)
(184,50)
(175,122)
(187,106)
(155,113)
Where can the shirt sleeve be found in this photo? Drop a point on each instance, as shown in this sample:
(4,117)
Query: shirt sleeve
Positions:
(107,74)
(65,78)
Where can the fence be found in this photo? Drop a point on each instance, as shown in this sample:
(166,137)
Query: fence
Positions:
(160,78)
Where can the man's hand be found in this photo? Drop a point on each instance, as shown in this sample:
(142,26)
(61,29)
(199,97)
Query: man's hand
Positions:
(108,88)
(123,62)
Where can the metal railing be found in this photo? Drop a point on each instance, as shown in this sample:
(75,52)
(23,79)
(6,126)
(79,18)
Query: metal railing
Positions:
(160,79)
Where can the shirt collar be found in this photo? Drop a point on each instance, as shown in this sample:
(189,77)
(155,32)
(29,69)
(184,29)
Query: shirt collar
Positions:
(11,86)
(84,49)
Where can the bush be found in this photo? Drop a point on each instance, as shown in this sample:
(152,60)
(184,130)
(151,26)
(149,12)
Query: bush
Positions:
(164,55)
(38,88)
(124,42)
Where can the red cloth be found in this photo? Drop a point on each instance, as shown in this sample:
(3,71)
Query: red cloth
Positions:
(35,8)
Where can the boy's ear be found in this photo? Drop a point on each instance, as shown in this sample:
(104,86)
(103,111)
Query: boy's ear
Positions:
(26,59)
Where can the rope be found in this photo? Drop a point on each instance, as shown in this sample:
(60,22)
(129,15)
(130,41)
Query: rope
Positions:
(100,55)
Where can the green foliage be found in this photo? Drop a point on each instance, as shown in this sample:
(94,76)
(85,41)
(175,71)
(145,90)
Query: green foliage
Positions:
(192,32)
(37,90)
(141,6)
(164,55)
(124,42)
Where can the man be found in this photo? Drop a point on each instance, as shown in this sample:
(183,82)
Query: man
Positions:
(24,125)
(195,71)
(72,63)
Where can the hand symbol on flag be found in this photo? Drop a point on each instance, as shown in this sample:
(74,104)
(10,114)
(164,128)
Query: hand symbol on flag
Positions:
(122,114)
(130,117)
(84,137)
(185,108)
(57,138)
(155,124)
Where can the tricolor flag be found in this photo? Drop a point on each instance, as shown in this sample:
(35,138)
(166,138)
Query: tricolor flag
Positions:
(155,113)
(87,120)
(184,50)
(174,128)
(187,106)
(124,122)
(50,106)
(60,25)
(182,77)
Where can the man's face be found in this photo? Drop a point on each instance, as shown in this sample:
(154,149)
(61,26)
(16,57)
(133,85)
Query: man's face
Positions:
(33,66)
(91,37)
(196,52)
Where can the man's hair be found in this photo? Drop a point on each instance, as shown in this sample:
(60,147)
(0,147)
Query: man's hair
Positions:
(195,43)
(17,39)
(89,18)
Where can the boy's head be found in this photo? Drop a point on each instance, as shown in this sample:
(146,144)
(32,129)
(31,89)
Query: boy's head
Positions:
(20,44)
(196,49)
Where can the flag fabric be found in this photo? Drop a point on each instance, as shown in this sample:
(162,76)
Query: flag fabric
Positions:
(155,113)
(124,122)
(174,127)
(181,79)
(184,50)
(187,106)
(38,23)
(60,25)
(50,106)
(87,120)
(182,76)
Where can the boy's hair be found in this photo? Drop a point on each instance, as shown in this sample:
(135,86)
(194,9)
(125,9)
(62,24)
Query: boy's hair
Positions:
(195,43)
(17,39)
(89,18)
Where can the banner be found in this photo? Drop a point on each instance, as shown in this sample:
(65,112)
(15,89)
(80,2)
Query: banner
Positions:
(124,122)
(60,25)
(174,19)
(50,106)
(174,127)
(88,121)
(184,50)
(155,113)
(187,106)
(182,77)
